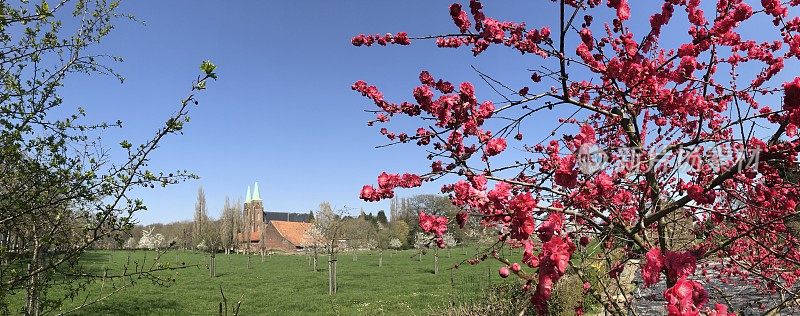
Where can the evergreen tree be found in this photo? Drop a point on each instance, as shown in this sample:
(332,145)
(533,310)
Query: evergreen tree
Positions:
(381,218)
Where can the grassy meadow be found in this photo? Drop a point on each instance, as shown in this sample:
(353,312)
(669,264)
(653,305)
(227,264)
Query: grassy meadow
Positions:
(287,285)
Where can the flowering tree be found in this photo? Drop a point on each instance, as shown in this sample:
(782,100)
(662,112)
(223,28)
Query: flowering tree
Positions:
(449,242)
(151,241)
(655,131)
(395,244)
(130,243)
(421,242)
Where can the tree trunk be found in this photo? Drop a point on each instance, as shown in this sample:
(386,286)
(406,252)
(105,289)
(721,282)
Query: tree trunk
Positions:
(420,256)
(380,261)
(249,256)
(436,262)
(32,293)
(212,265)
(315,263)
(331,276)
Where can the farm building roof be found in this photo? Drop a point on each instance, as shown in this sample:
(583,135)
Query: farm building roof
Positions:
(294,232)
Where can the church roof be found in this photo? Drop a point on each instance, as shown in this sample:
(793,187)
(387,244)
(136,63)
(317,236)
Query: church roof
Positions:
(248,198)
(285,216)
(294,232)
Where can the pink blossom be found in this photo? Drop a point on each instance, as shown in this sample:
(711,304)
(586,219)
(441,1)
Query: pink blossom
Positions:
(654,263)
(686,298)
(566,175)
(680,264)
(495,146)
(430,223)
(459,17)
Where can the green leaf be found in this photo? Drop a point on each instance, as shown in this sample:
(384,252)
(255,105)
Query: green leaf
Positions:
(208,67)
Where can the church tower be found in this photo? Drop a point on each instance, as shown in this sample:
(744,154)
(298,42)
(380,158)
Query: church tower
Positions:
(256,209)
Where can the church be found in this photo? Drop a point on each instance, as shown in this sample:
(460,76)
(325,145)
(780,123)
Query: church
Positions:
(268,231)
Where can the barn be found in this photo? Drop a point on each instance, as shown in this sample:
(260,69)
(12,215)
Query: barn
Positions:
(285,236)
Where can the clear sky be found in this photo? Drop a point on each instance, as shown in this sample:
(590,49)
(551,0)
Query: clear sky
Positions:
(282,112)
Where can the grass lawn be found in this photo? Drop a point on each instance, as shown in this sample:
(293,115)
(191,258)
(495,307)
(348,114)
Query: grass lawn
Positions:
(286,285)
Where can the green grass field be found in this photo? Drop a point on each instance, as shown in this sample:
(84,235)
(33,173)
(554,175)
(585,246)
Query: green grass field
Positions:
(286,285)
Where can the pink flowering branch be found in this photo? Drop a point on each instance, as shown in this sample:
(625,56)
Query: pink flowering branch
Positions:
(667,137)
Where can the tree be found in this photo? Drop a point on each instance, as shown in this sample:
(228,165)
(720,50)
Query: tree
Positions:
(329,223)
(201,219)
(213,241)
(262,240)
(449,242)
(394,210)
(314,241)
(432,203)
(359,233)
(151,241)
(230,224)
(395,243)
(400,230)
(639,131)
(310,218)
(130,243)
(382,241)
(61,191)
(421,242)
(381,218)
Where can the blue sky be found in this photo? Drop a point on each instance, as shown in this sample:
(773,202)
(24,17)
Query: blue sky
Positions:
(282,112)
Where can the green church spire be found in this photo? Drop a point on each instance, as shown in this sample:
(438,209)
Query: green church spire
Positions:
(256,196)
(248,199)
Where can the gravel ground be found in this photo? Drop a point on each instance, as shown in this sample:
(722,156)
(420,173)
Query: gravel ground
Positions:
(743,299)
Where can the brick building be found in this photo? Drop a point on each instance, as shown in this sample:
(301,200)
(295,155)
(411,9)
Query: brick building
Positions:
(282,231)
(285,236)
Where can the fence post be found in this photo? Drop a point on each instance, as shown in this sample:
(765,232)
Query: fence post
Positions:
(330,277)
(335,286)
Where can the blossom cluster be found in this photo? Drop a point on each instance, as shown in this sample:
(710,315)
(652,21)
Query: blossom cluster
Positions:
(401,38)
(715,93)
(436,225)
(386,185)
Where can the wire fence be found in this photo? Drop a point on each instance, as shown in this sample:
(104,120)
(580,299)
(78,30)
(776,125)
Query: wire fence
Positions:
(467,287)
